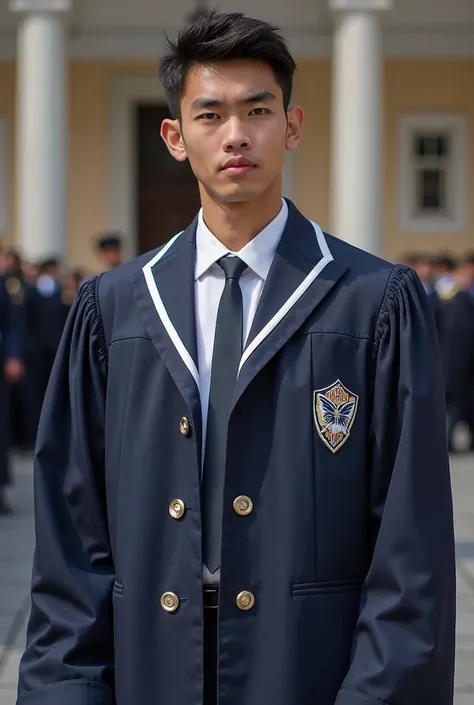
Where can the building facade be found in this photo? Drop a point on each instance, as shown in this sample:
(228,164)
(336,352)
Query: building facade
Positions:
(387,158)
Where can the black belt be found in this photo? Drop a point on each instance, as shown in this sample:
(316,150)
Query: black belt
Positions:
(211,597)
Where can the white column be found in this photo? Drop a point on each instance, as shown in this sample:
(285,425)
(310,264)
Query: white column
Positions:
(41,162)
(356,124)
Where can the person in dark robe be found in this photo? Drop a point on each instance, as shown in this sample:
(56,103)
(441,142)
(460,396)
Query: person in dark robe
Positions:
(110,249)
(31,272)
(22,400)
(469,272)
(458,353)
(50,306)
(424,266)
(445,267)
(242,487)
(3,258)
(11,371)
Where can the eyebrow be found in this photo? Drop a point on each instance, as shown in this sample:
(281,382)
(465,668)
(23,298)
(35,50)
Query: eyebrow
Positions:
(257,97)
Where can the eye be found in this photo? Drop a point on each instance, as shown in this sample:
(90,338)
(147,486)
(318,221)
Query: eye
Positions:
(260,111)
(208,116)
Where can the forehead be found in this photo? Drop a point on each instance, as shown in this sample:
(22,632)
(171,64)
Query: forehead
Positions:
(229,80)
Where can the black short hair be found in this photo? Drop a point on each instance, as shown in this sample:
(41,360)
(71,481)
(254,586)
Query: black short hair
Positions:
(416,258)
(47,263)
(447,262)
(108,241)
(215,36)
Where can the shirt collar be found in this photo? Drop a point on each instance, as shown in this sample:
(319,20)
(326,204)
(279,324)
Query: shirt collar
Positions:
(257,254)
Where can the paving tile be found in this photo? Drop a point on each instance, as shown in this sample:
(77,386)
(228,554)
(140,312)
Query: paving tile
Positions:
(7,695)
(10,669)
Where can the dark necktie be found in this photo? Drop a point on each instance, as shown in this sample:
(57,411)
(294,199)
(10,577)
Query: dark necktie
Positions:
(225,364)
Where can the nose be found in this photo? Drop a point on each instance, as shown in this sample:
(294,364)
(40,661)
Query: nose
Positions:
(236,138)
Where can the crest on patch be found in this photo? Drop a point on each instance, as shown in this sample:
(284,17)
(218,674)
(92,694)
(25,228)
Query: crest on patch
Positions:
(334,410)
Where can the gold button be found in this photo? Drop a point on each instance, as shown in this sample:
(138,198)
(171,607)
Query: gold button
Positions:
(177,508)
(185,426)
(169,602)
(243,505)
(245,600)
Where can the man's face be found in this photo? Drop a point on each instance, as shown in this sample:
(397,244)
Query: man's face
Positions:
(112,256)
(462,276)
(52,270)
(12,265)
(31,272)
(233,129)
(470,272)
(424,270)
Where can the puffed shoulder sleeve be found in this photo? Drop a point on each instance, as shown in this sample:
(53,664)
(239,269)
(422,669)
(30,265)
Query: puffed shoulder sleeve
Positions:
(69,654)
(403,648)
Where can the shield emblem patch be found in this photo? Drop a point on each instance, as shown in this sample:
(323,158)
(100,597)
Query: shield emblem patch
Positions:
(334,410)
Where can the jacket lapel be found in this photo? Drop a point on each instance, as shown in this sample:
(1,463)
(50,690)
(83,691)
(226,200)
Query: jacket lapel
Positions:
(303,272)
(164,291)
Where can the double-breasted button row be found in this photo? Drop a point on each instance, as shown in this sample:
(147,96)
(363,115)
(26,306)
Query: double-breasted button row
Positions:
(245,601)
(243,506)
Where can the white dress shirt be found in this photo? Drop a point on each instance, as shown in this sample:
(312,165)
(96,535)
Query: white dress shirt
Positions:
(209,285)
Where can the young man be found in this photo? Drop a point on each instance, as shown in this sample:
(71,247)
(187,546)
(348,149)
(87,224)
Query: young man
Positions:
(424,267)
(458,353)
(49,308)
(109,247)
(242,484)
(11,372)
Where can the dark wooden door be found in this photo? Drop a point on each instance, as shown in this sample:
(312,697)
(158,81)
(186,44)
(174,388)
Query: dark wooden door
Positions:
(167,192)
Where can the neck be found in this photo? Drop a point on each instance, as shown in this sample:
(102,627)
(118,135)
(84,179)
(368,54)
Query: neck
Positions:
(236,224)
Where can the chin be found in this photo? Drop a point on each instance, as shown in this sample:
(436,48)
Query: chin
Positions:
(239,194)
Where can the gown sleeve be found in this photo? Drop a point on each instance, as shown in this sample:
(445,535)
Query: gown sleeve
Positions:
(403,648)
(69,655)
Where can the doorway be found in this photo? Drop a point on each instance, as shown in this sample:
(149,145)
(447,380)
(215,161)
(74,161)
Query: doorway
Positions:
(167,195)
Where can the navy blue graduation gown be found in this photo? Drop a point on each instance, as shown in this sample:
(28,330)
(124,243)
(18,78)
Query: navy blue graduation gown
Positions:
(458,348)
(337,435)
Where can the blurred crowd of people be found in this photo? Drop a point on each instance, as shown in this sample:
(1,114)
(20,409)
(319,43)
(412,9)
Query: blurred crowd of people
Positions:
(39,297)
(449,284)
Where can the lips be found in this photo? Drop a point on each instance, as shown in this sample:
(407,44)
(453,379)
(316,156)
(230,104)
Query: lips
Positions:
(238,162)
(238,165)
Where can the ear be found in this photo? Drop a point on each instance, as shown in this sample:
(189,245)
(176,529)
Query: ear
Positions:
(173,138)
(294,128)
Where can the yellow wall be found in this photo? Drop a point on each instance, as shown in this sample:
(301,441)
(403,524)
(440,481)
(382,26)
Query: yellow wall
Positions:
(313,88)
(409,86)
(418,87)
(88,206)
(7,111)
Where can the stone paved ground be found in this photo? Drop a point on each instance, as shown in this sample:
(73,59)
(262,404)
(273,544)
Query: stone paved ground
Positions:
(16,547)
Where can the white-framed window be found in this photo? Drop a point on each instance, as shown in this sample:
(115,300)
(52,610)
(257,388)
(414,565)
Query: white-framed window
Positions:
(3,175)
(433,172)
